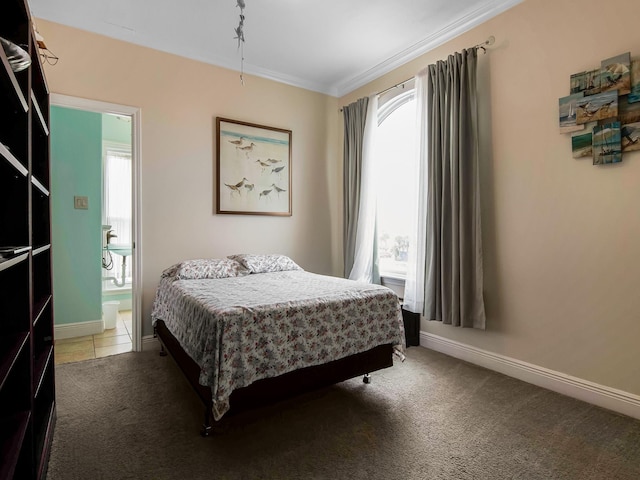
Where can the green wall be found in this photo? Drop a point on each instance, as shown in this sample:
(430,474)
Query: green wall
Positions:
(76,169)
(115,129)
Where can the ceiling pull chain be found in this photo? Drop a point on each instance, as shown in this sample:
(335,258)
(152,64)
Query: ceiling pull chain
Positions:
(240,37)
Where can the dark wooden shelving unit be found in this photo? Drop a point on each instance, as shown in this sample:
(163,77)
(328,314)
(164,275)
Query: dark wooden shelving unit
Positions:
(27,381)
(18,426)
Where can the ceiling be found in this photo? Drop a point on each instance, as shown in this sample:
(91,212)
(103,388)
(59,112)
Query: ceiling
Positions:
(329,46)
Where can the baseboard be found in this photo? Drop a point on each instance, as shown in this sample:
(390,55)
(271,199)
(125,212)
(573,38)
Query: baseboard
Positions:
(111,295)
(125,304)
(79,329)
(606,397)
(149,342)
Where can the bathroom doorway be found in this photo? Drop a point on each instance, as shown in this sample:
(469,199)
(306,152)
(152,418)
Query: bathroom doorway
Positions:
(117,223)
(95,228)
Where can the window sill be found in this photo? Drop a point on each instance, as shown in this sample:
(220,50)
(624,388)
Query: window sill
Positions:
(394,283)
(392,279)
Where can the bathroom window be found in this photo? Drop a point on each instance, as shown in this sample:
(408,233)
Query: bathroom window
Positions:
(117,203)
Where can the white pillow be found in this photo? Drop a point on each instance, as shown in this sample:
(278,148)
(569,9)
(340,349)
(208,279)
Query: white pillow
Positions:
(206,268)
(265,263)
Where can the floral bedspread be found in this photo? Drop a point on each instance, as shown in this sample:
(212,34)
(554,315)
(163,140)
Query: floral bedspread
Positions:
(246,328)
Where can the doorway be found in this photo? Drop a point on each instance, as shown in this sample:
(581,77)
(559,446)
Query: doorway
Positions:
(96,220)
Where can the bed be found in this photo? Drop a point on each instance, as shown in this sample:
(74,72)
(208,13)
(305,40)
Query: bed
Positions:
(250,330)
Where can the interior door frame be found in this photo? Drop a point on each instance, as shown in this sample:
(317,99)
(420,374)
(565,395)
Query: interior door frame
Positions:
(135,113)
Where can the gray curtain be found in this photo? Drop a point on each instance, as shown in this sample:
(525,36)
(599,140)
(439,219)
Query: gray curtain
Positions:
(355,116)
(453,277)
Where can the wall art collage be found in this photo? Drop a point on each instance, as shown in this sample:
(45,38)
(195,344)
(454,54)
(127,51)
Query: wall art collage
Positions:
(602,110)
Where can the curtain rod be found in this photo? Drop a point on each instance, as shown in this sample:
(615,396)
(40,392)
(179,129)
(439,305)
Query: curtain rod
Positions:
(489,41)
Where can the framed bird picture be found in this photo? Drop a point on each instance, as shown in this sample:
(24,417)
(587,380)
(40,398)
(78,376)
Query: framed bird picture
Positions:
(253,169)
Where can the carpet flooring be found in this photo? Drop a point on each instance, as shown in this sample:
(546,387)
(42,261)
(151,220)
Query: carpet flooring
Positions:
(133,416)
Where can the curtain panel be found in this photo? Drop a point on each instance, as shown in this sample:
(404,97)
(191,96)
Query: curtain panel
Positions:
(355,115)
(414,282)
(360,246)
(453,279)
(365,260)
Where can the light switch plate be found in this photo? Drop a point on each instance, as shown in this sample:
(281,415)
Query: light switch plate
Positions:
(81,203)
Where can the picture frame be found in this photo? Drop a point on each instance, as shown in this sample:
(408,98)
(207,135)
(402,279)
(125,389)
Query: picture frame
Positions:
(607,144)
(253,169)
(582,145)
(616,74)
(597,107)
(634,94)
(568,113)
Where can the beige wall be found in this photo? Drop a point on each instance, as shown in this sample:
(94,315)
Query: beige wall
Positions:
(180,99)
(561,236)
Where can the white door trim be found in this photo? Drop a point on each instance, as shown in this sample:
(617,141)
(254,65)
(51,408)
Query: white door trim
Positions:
(136,191)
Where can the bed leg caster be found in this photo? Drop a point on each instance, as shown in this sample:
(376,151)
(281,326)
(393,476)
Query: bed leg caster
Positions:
(163,352)
(367,378)
(206,426)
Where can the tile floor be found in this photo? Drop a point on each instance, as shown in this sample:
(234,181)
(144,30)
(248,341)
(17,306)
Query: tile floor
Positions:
(110,342)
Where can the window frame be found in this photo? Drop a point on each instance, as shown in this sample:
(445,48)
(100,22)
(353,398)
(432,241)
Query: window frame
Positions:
(390,101)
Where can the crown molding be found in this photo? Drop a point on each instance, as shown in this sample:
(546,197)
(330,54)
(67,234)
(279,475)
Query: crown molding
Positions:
(434,40)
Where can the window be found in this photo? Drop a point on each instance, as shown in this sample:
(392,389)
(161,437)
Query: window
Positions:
(117,203)
(396,143)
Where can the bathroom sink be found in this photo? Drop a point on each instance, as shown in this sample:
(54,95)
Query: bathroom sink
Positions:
(119,249)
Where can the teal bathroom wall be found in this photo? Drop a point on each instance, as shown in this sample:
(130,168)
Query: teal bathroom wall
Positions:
(115,129)
(76,169)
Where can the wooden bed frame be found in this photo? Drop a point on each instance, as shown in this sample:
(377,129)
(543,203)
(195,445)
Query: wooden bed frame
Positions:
(270,390)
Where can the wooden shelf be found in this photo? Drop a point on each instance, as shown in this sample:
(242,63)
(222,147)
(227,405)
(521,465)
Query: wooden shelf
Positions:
(41,119)
(39,307)
(12,434)
(6,263)
(38,251)
(4,151)
(39,186)
(39,84)
(10,80)
(40,368)
(43,441)
(12,345)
